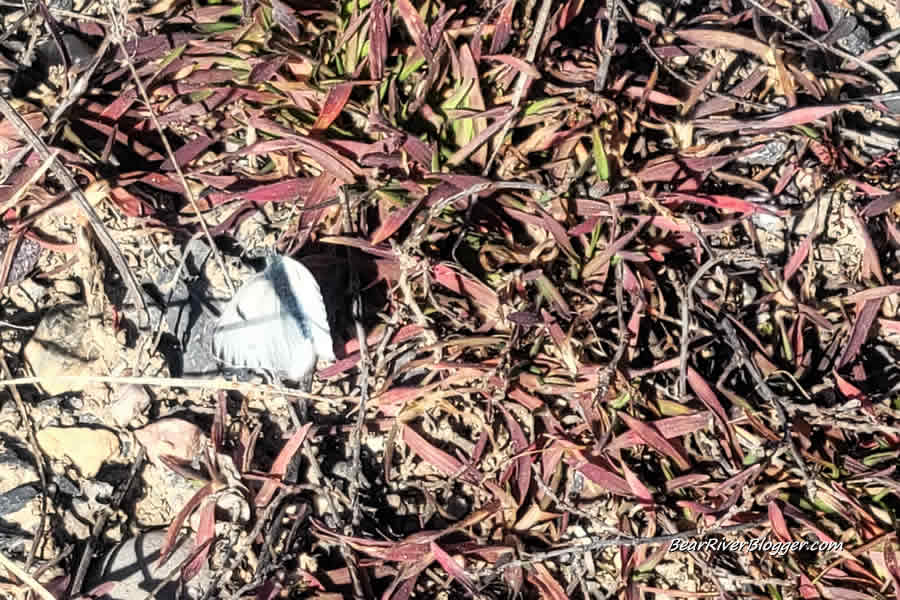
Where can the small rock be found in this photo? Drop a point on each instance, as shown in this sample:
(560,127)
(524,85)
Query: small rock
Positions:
(27,294)
(15,499)
(62,345)
(68,287)
(24,259)
(132,567)
(173,437)
(87,447)
(131,401)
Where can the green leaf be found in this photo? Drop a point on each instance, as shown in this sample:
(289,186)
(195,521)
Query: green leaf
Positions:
(599,155)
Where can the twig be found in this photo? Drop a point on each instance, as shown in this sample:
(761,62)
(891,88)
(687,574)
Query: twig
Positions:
(172,382)
(744,360)
(235,554)
(88,553)
(686,304)
(81,85)
(38,459)
(62,173)
(889,85)
(336,521)
(364,365)
(612,33)
(25,577)
(537,35)
(189,193)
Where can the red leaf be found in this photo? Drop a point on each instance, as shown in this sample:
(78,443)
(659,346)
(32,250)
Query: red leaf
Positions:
(286,18)
(334,103)
(716,38)
(416,27)
(452,567)
(779,525)
(637,487)
(503,27)
(395,221)
(378,38)
(603,477)
(206,534)
(436,457)
(481,294)
(516,63)
(266,69)
(655,440)
(544,581)
(175,526)
(865,316)
(279,467)
(798,257)
(669,427)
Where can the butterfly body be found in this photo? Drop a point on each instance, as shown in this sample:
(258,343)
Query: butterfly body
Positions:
(276,322)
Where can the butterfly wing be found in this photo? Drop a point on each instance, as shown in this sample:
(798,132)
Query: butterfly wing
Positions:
(276,321)
(305,289)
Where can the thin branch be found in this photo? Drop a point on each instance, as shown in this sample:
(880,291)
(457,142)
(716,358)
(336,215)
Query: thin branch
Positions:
(65,177)
(889,85)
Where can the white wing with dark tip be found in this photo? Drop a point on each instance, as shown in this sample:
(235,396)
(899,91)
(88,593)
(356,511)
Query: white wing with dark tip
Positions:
(276,322)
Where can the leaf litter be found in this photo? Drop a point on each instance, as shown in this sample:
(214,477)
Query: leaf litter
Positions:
(602,277)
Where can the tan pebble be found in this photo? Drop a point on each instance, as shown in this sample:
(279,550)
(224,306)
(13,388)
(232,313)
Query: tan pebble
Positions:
(87,447)
(67,287)
(62,345)
(130,401)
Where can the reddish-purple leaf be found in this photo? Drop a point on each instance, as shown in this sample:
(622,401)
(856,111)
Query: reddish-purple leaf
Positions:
(798,257)
(779,525)
(681,167)
(334,103)
(872,294)
(655,440)
(175,526)
(520,443)
(279,467)
(483,296)
(708,397)
(717,38)
(546,585)
(719,104)
(865,316)
(691,480)
(265,69)
(880,205)
(206,535)
(603,477)
(188,152)
(516,63)
(817,16)
(452,567)
(641,492)
(416,27)
(286,18)
(669,427)
(503,27)
(437,457)
(378,38)
(395,221)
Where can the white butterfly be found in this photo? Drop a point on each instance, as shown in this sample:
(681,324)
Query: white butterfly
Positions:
(276,322)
